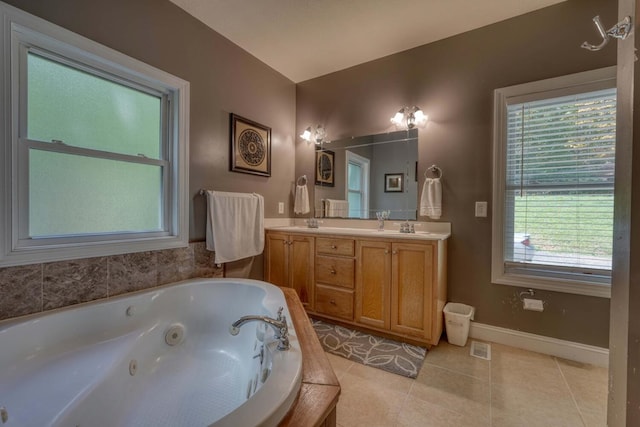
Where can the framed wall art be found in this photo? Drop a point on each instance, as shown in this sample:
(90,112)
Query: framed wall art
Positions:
(393,182)
(250,146)
(325,168)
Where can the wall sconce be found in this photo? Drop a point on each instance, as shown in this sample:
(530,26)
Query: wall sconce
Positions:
(409,117)
(316,135)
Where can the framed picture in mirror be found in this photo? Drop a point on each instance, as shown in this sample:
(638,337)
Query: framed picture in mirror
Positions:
(250,146)
(325,160)
(393,182)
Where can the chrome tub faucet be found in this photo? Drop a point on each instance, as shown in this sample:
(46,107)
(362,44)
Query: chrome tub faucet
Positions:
(279,325)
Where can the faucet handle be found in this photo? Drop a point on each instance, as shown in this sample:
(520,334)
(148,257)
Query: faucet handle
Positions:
(280,316)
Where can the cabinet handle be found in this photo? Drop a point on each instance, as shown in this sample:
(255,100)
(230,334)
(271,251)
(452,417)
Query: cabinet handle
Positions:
(395,252)
(333,271)
(334,247)
(332,301)
(386,251)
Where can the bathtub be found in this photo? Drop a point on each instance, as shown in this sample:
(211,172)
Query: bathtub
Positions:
(162,357)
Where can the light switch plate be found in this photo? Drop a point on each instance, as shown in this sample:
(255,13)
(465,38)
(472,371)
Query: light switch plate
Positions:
(280,207)
(481,209)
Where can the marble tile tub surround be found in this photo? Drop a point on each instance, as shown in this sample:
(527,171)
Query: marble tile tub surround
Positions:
(35,288)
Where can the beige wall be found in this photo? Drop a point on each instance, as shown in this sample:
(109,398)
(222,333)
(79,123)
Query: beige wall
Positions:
(453,81)
(224,79)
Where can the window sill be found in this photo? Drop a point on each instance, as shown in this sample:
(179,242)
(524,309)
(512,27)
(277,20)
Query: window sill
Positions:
(556,285)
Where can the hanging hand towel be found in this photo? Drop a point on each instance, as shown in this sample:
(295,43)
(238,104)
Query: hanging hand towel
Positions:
(431,198)
(235,225)
(301,203)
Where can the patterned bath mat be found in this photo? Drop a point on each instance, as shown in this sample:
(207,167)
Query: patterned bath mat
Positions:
(382,353)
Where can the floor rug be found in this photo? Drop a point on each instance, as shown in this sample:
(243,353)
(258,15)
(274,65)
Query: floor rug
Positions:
(382,353)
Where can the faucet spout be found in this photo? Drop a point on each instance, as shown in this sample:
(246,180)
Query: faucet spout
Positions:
(279,325)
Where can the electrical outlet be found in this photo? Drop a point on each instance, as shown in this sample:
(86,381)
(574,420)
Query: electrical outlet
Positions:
(481,209)
(280,207)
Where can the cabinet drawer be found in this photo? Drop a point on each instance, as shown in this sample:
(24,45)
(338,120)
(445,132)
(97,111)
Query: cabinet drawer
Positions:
(331,246)
(334,302)
(335,271)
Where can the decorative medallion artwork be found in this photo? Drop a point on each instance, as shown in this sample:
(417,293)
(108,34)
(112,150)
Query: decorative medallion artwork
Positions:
(250,147)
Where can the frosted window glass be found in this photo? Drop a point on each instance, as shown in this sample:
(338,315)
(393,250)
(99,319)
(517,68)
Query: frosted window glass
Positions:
(71,194)
(86,111)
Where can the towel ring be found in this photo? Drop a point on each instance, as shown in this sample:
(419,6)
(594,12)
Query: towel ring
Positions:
(434,170)
(300,179)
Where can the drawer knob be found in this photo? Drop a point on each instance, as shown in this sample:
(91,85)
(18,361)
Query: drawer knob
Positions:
(333,271)
(386,251)
(334,247)
(332,301)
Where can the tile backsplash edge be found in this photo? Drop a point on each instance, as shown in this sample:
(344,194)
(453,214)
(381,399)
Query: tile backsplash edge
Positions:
(35,288)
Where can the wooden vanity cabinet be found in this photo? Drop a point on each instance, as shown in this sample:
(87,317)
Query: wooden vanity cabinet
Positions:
(373,283)
(289,261)
(391,285)
(397,288)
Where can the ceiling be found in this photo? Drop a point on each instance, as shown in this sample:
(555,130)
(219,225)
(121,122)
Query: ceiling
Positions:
(303,39)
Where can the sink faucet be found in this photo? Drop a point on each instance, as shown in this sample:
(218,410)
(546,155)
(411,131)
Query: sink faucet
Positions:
(279,325)
(407,227)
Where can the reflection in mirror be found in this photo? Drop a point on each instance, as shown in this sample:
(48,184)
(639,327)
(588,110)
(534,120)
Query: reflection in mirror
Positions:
(368,174)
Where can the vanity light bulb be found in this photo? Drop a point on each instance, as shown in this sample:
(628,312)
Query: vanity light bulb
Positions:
(397,119)
(306,135)
(419,117)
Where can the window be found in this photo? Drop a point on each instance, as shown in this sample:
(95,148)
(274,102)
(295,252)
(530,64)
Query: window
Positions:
(357,185)
(97,148)
(554,153)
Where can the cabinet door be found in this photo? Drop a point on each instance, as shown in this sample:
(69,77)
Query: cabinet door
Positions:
(411,289)
(301,260)
(277,259)
(373,273)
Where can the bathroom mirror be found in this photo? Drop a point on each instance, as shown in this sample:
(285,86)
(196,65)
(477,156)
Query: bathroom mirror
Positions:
(369,174)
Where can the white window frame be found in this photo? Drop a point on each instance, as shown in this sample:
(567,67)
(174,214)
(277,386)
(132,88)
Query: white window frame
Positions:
(20,31)
(574,83)
(364,163)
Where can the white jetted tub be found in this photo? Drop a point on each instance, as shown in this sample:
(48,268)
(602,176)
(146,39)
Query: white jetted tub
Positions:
(163,357)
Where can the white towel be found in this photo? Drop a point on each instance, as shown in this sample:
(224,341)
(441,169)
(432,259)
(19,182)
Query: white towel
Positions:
(431,198)
(235,225)
(336,208)
(301,202)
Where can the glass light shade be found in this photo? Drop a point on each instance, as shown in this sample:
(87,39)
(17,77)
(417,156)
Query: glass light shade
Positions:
(398,118)
(306,135)
(320,134)
(420,117)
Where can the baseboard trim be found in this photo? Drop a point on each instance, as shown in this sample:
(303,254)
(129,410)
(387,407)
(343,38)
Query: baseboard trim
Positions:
(552,346)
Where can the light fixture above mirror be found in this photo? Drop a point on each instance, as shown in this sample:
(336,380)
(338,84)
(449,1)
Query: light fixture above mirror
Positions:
(316,135)
(409,118)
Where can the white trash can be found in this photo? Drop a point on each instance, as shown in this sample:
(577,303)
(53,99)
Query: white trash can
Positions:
(457,318)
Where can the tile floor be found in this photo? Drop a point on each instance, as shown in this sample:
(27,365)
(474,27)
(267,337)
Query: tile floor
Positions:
(516,388)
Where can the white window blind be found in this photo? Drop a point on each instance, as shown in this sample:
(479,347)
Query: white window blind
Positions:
(559,178)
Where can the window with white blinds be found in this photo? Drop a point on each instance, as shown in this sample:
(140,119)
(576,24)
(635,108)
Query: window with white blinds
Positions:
(557,153)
